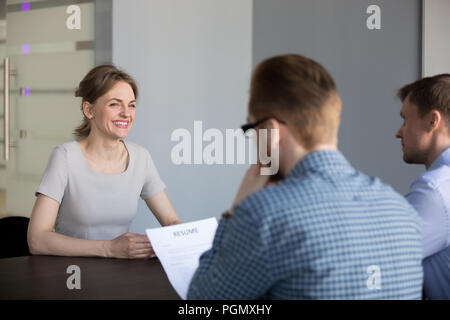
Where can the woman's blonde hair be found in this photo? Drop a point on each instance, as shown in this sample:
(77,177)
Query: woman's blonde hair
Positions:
(95,84)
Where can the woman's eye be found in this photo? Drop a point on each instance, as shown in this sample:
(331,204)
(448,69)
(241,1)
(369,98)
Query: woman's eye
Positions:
(113,104)
(132,106)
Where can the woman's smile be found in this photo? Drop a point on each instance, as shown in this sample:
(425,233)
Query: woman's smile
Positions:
(122,124)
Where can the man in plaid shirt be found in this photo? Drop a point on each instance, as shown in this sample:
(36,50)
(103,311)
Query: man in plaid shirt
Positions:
(324,230)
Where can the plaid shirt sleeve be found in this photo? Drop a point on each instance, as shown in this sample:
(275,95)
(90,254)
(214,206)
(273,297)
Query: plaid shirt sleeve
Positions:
(236,266)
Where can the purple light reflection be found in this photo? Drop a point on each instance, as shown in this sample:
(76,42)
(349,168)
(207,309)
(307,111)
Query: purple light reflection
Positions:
(26,6)
(25,49)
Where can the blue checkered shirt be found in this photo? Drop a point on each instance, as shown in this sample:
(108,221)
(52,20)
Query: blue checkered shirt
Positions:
(327,231)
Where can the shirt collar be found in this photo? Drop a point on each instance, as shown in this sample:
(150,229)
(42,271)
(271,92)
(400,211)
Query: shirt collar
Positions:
(328,160)
(442,160)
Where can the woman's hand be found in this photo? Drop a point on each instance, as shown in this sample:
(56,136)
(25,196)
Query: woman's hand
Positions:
(130,246)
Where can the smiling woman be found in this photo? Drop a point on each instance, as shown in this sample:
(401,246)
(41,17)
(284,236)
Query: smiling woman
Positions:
(101,86)
(89,192)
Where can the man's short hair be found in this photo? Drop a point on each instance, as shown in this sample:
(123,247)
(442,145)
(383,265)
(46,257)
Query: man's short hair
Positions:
(299,91)
(431,93)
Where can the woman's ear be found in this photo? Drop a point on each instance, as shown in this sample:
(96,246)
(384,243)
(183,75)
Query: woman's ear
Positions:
(87,110)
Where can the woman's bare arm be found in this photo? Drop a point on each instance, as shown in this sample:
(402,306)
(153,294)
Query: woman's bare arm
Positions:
(162,209)
(42,240)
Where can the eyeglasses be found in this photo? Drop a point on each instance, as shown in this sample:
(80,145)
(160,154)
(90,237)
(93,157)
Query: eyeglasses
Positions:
(248,126)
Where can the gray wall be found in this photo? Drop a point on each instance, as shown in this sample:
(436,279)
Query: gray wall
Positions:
(436,27)
(103,32)
(192,61)
(368,67)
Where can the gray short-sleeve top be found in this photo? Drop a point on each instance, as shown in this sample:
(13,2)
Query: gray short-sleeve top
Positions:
(93,205)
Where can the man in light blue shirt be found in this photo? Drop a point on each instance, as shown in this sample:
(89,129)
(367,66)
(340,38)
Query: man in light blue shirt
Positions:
(326,230)
(425,136)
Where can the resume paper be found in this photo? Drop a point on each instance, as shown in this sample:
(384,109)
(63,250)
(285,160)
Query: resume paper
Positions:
(179,248)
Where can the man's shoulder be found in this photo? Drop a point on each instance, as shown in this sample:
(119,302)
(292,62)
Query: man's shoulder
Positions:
(313,194)
(262,199)
(440,175)
(433,179)
(279,197)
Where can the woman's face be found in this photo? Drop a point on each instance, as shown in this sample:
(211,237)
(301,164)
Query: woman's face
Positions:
(114,112)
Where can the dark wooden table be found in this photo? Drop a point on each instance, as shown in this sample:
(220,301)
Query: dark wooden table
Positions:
(45,277)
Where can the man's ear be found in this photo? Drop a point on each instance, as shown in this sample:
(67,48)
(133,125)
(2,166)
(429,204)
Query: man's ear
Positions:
(273,124)
(434,120)
(87,110)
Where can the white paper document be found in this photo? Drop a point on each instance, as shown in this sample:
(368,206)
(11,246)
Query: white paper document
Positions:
(179,248)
